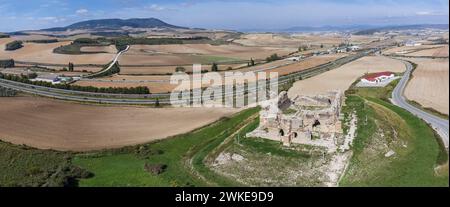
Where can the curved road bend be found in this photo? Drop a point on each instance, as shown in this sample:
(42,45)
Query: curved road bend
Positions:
(439,124)
(116,58)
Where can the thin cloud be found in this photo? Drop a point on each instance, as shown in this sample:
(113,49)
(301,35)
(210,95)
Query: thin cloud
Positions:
(81,11)
(155,7)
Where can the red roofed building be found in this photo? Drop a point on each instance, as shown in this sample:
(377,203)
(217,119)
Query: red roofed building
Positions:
(377,77)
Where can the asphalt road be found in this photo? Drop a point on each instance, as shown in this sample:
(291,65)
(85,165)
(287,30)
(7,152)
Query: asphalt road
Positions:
(439,124)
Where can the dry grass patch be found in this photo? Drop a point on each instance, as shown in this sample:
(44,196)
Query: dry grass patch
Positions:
(43,53)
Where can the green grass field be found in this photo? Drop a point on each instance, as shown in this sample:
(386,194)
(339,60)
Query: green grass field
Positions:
(127,169)
(22,166)
(382,127)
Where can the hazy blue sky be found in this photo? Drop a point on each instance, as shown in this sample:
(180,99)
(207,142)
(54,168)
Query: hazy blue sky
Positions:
(225,14)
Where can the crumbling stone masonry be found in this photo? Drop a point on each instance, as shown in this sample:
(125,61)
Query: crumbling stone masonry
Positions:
(308,120)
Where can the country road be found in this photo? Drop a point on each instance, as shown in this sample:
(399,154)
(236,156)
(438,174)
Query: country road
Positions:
(116,58)
(440,125)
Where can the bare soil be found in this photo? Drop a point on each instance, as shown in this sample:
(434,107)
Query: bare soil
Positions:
(52,124)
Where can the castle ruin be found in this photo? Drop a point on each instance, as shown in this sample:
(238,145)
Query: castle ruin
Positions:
(308,120)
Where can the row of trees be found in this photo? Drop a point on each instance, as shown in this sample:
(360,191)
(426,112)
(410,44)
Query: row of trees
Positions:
(251,63)
(77,44)
(4,35)
(44,41)
(116,90)
(7,63)
(121,43)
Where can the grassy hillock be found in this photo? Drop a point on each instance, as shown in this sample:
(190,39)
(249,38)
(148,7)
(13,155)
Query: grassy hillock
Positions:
(126,168)
(384,129)
(24,166)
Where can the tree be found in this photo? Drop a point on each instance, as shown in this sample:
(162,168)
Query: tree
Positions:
(180,69)
(273,57)
(214,67)
(32,76)
(302,48)
(252,62)
(71,67)
(7,63)
(157,104)
(321,46)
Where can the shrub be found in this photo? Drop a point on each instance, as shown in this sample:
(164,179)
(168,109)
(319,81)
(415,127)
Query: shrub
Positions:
(180,69)
(155,169)
(273,57)
(214,67)
(144,152)
(7,63)
(32,76)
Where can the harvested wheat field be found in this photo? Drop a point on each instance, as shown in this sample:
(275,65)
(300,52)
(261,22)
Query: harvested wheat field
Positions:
(156,84)
(306,64)
(342,77)
(429,85)
(289,41)
(296,40)
(3,42)
(43,53)
(167,70)
(100,49)
(50,124)
(231,51)
(160,83)
(32,37)
(436,52)
(410,49)
(160,55)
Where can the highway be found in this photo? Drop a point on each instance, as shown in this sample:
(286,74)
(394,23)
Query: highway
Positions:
(439,124)
(164,98)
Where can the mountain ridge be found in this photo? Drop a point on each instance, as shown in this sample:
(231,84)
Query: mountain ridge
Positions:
(115,24)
